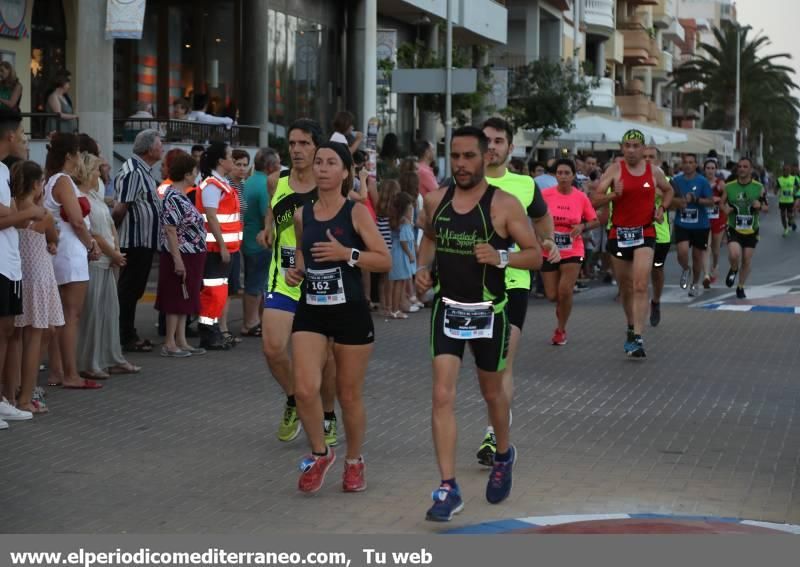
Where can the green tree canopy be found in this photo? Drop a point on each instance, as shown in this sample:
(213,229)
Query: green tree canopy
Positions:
(544,96)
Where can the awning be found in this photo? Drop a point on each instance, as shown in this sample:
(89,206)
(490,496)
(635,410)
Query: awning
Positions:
(701,141)
(598,129)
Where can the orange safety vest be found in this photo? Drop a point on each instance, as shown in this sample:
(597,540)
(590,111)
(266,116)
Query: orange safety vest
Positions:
(227,214)
(162,189)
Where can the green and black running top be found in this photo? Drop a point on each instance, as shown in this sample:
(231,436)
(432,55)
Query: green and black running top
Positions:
(284,204)
(459,276)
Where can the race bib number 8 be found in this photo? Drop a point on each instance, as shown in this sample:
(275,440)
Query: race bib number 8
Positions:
(744,222)
(466,321)
(287,259)
(563,240)
(629,237)
(325,287)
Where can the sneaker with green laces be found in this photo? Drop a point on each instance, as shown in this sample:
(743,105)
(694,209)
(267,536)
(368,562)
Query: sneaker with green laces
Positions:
(290,426)
(487,450)
(330,432)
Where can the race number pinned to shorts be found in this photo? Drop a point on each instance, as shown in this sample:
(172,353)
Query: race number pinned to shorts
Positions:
(563,240)
(630,236)
(466,321)
(713,212)
(325,287)
(288,259)
(690,216)
(744,222)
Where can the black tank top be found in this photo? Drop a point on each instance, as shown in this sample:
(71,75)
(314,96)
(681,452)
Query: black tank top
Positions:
(459,275)
(322,277)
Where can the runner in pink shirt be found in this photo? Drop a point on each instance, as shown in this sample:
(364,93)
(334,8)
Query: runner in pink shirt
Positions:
(573,215)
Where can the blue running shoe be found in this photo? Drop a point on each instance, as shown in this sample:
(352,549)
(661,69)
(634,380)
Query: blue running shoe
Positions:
(630,347)
(637,350)
(499,486)
(447,503)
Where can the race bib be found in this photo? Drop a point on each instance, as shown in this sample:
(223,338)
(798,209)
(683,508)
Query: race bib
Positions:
(466,321)
(713,212)
(690,216)
(629,237)
(563,240)
(287,259)
(325,287)
(744,222)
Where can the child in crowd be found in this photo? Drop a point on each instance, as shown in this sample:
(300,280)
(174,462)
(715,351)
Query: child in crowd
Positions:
(403,252)
(386,194)
(41,303)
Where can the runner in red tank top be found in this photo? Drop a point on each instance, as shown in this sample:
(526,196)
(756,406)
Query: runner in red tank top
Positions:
(632,237)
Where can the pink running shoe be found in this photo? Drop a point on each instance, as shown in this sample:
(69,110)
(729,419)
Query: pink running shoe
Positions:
(354,479)
(559,337)
(314,469)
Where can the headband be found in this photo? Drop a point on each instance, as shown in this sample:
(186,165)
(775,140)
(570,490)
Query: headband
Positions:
(633,134)
(341,150)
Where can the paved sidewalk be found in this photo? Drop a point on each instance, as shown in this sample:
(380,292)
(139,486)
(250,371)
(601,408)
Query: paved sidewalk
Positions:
(707,425)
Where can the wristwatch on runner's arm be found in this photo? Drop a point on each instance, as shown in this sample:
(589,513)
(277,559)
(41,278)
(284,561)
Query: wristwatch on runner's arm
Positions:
(503,259)
(355,254)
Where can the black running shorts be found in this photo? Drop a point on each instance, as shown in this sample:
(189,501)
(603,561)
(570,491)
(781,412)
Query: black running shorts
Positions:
(490,354)
(660,256)
(346,324)
(697,238)
(517,306)
(627,253)
(549,267)
(744,240)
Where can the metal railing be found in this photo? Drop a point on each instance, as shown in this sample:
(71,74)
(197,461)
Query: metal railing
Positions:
(185,131)
(39,125)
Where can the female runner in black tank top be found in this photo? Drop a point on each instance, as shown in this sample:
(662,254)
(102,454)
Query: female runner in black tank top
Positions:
(336,238)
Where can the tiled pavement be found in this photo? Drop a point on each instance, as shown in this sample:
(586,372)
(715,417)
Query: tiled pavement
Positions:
(709,424)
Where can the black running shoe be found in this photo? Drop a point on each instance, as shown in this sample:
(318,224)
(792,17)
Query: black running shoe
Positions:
(655,314)
(740,293)
(730,279)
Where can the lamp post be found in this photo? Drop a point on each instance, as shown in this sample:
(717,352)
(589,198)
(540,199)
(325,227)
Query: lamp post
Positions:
(448,95)
(738,103)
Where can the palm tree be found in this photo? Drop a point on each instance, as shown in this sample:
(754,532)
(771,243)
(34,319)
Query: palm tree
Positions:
(768,105)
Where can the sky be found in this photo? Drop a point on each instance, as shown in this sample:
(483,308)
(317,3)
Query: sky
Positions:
(778,19)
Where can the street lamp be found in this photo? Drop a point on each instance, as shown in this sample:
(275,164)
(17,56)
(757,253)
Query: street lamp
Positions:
(738,104)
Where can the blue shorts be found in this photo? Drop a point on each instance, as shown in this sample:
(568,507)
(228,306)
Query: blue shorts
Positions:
(256,268)
(275,300)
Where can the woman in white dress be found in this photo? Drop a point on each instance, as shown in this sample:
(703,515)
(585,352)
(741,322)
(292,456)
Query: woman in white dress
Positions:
(71,262)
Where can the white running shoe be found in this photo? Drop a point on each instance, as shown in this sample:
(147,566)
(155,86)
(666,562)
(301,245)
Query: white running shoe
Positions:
(10,413)
(3,424)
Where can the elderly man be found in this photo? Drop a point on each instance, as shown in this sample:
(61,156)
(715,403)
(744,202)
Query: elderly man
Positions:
(136,215)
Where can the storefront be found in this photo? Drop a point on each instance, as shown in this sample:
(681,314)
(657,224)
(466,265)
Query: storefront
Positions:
(200,46)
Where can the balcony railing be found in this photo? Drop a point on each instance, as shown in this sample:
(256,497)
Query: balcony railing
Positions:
(600,16)
(636,107)
(39,125)
(185,131)
(602,96)
(640,48)
(663,13)
(615,48)
(665,65)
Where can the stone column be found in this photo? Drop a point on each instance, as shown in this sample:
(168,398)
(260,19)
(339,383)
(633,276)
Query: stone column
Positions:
(94,74)
(429,121)
(532,32)
(255,82)
(600,60)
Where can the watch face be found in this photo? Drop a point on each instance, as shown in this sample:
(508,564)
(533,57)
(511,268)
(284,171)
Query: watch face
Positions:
(355,255)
